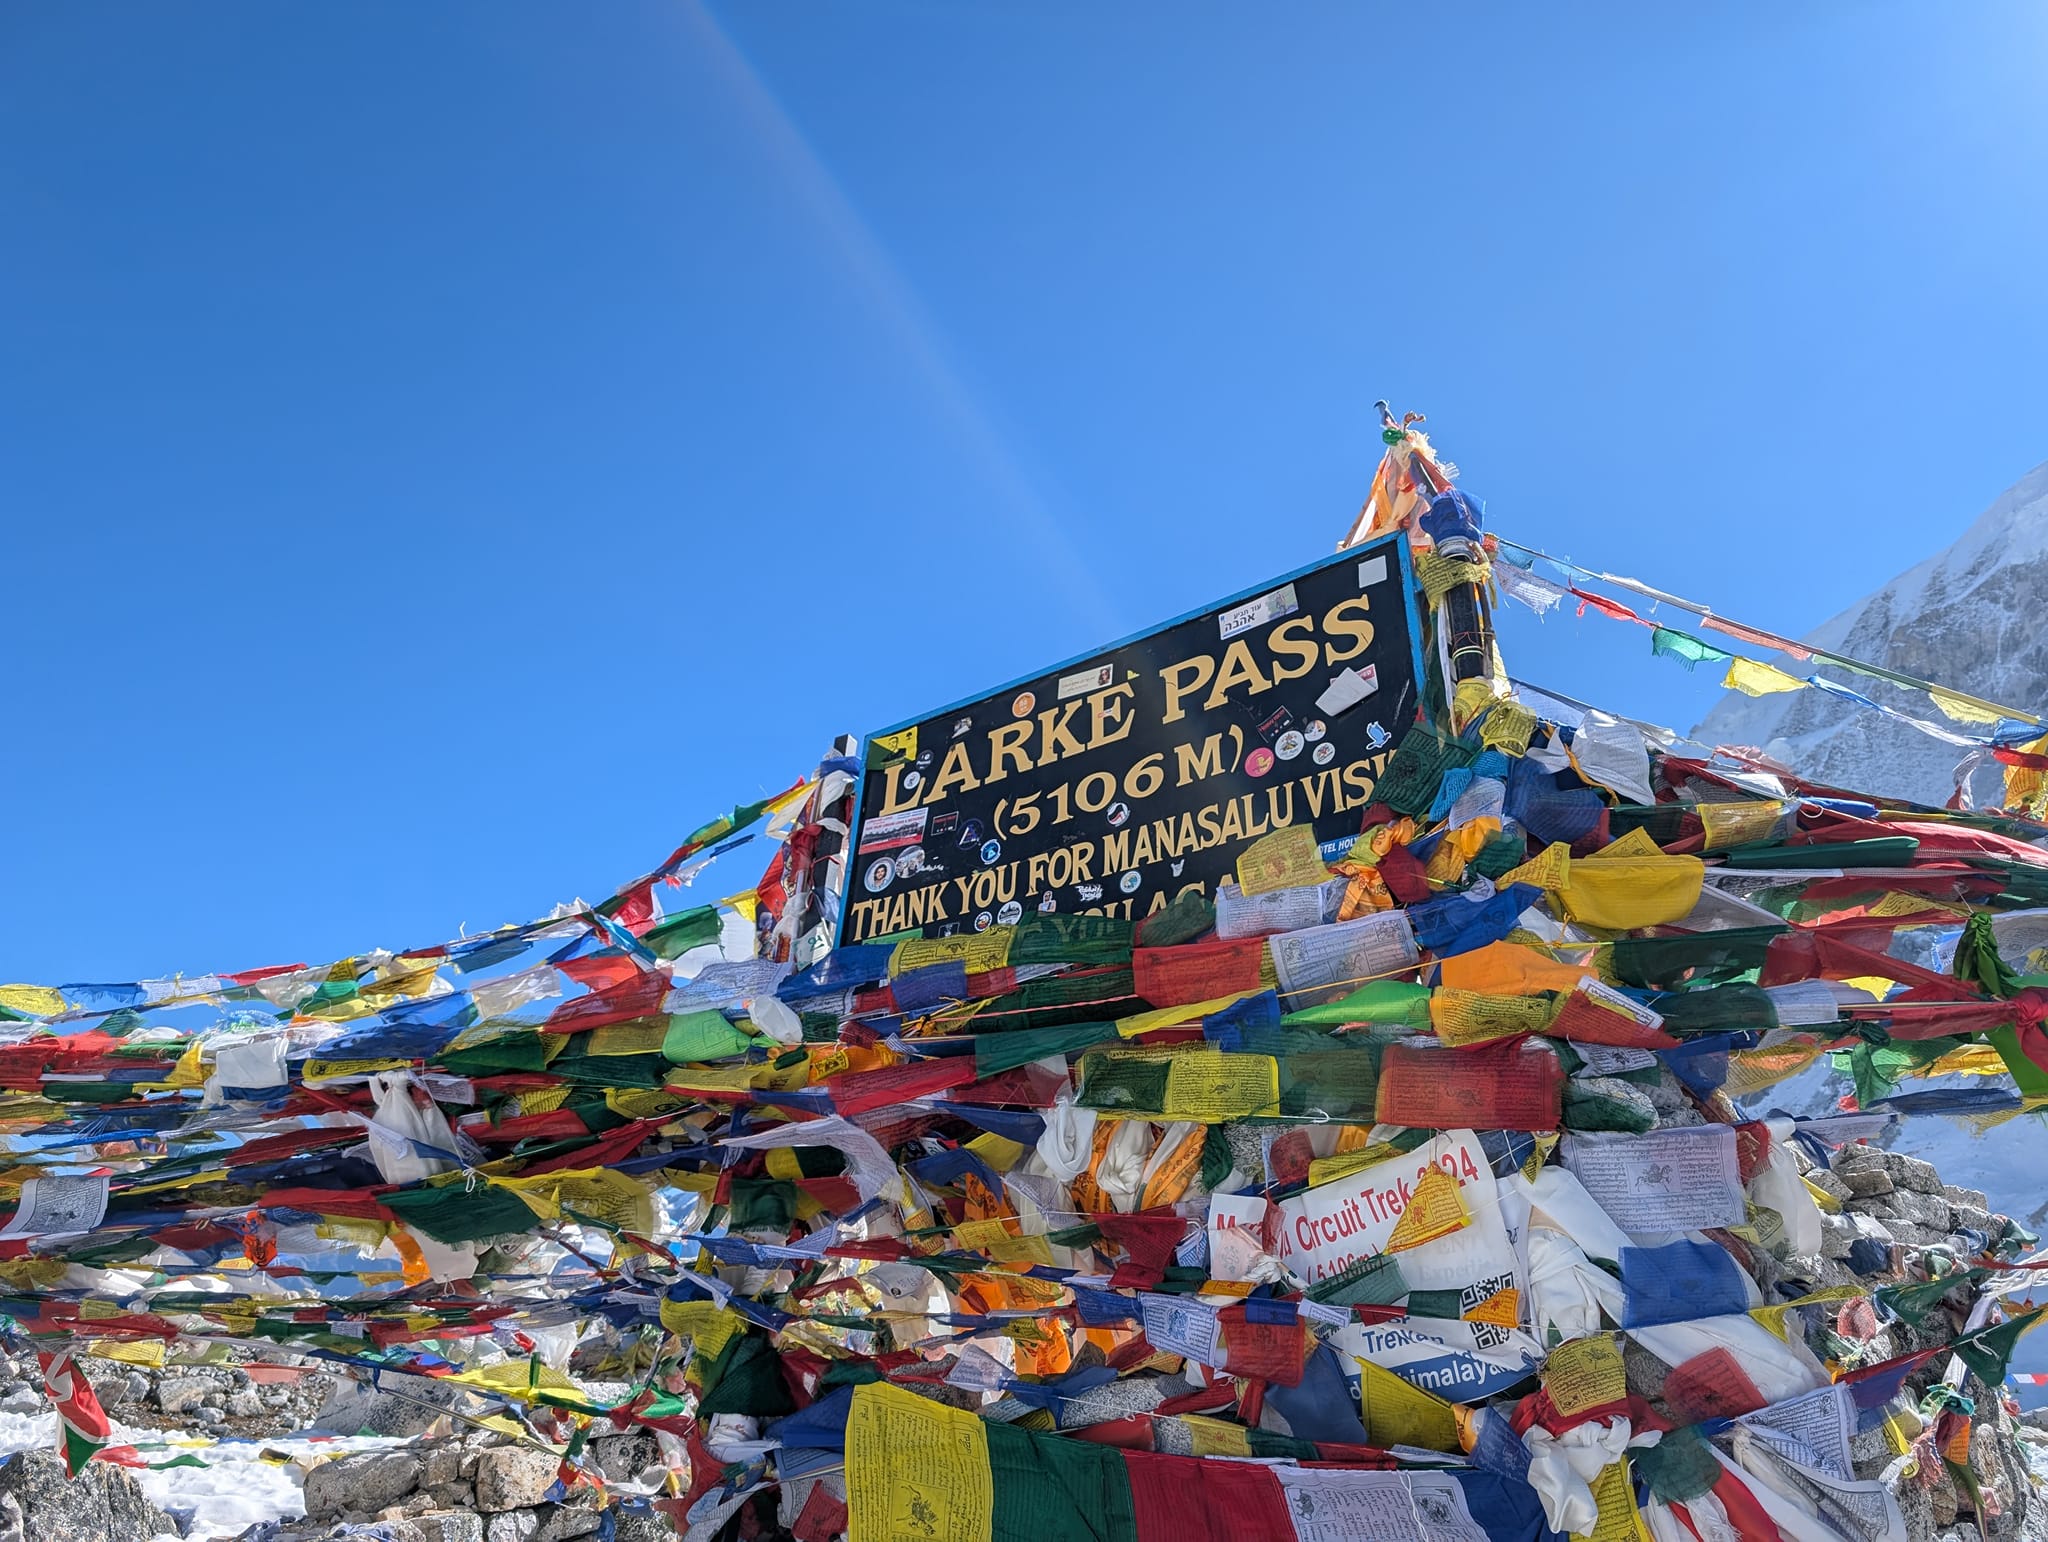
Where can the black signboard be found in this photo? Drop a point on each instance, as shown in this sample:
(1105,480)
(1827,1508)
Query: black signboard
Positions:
(1118,781)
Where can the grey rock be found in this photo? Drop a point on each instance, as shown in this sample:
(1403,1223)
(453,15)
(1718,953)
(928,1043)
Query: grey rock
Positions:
(135,1387)
(1943,1495)
(244,1405)
(1911,1173)
(1828,1183)
(1870,1447)
(1923,1209)
(450,1526)
(22,1399)
(101,1505)
(440,1463)
(622,1457)
(1916,1505)
(513,1526)
(1866,1182)
(1961,1196)
(364,1483)
(355,1409)
(453,1496)
(1975,1217)
(512,1477)
(559,1523)
(182,1394)
(643,1526)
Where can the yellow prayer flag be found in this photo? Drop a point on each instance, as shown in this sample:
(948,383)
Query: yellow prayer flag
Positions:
(1585,1373)
(1502,1309)
(516,1378)
(1624,893)
(1172,1017)
(1637,843)
(1754,679)
(1740,821)
(1550,868)
(915,1468)
(1614,1496)
(1470,1017)
(1508,728)
(1773,1317)
(1397,1414)
(34,1000)
(998,1151)
(1286,859)
(1435,1209)
(1959,710)
(129,1352)
(1217,1437)
(979,951)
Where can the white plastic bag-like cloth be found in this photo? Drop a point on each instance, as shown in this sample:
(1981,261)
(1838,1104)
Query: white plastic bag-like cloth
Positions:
(404,1121)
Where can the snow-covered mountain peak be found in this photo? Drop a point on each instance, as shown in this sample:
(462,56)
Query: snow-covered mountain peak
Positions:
(1969,617)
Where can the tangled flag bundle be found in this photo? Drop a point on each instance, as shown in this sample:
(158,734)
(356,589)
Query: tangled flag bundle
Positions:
(1387,1181)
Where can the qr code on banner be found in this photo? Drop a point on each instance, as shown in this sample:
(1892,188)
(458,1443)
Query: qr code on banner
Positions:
(1486,1335)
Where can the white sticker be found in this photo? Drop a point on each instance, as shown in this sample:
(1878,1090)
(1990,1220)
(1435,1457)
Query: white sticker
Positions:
(891,830)
(1081,682)
(1372,571)
(1267,607)
(1349,689)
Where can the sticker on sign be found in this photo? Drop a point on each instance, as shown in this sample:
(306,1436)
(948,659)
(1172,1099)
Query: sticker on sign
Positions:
(1267,607)
(1081,682)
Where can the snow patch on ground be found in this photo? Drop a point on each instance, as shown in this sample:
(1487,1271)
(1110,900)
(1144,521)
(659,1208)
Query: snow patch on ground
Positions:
(236,1489)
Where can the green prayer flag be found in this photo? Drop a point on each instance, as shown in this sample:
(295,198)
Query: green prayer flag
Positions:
(1686,648)
(1988,1351)
(1680,1467)
(1383,1001)
(1978,961)
(994,1052)
(695,1036)
(1697,958)
(1053,1488)
(687,929)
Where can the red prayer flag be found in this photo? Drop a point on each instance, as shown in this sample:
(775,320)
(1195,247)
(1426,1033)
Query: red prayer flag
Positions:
(1202,971)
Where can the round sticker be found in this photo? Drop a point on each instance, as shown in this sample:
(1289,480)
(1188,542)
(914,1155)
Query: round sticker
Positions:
(881,872)
(991,850)
(1119,813)
(912,780)
(1323,754)
(981,922)
(1288,745)
(1258,762)
(911,861)
(1315,730)
(1011,913)
(1130,881)
(1022,706)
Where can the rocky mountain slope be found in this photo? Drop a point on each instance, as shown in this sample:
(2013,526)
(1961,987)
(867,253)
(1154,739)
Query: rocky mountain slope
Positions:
(1970,617)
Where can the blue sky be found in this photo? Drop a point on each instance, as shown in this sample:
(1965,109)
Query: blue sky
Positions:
(448,452)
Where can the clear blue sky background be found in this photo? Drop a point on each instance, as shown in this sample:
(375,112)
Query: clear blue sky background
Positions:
(447,452)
